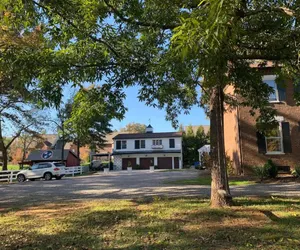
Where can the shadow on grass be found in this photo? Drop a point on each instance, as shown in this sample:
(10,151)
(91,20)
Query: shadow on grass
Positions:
(157,223)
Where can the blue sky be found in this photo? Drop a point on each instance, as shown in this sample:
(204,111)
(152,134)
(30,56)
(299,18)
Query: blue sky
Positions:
(140,113)
(137,112)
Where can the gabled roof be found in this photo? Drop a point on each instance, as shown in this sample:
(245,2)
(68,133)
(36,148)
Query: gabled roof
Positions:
(49,155)
(148,135)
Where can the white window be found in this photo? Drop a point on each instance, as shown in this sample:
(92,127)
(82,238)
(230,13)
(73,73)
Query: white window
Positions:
(124,144)
(157,142)
(274,142)
(270,80)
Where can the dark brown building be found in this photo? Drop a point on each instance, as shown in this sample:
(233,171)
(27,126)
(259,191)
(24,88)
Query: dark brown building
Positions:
(247,147)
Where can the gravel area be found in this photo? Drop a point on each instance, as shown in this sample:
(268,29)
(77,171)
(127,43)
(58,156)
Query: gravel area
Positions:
(126,185)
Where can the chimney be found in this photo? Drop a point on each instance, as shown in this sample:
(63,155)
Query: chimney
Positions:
(149,129)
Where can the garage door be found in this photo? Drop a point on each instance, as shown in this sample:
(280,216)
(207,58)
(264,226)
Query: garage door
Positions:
(125,162)
(145,163)
(164,162)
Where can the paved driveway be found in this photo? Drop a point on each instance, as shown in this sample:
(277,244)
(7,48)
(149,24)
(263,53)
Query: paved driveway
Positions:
(124,185)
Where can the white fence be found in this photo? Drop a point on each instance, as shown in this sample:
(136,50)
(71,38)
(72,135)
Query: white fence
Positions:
(8,176)
(76,170)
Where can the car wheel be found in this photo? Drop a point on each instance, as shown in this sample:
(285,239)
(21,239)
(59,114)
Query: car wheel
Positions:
(58,177)
(21,178)
(48,176)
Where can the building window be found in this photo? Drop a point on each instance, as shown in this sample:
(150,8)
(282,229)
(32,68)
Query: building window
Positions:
(172,143)
(137,144)
(157,142)
(118,145)
(124,144)
(274,140)
(279,91)
(273,97)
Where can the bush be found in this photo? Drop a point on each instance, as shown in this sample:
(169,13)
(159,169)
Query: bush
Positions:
(137,166)
(269,170)
(261,172)
(229,166)
(272,169)
(296,172)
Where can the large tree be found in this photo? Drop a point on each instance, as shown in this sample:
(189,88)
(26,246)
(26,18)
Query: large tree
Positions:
(16,118)
(90,114)
(134,127)
(171,49)
(191,142)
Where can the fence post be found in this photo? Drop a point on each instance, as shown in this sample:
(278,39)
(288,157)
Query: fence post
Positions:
(11,177)
(73,171)
(80,170)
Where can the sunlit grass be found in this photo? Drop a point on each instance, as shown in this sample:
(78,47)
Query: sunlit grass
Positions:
(159,223)
(11,167)
(206,180)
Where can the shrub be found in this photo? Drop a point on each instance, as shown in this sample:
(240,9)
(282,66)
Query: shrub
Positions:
(229,166)
(271,168)
(137,166)
(296,172)
(155,167)
(261,172)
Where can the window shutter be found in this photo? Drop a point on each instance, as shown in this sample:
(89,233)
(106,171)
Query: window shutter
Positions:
(118,144)
(286,137)
(137,144)
(281,93)
(261,143)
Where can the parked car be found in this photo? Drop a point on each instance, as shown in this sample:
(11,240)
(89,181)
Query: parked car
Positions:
(46,170)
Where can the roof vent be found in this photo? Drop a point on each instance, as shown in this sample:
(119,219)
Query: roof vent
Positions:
(149,129)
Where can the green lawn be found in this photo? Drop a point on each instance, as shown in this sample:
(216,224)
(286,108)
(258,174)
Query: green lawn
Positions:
(11,167)
(206,180)
(179,223)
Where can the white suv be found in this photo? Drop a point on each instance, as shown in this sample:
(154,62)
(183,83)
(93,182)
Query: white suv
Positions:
(45,170)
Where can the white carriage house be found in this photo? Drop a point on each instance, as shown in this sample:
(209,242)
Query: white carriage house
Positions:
(140,151)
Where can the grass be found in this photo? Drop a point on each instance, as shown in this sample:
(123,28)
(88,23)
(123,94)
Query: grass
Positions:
(160,223)
(11,167)
(206,180)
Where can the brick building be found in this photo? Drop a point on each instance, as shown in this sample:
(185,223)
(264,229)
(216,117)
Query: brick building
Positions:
(247,147)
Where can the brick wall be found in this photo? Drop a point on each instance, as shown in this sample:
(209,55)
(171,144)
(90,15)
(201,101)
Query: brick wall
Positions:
(231,134)
(291,114)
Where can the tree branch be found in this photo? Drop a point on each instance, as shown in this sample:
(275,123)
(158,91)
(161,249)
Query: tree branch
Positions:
(267,9)
(139,23)
(76,27)
(17,135)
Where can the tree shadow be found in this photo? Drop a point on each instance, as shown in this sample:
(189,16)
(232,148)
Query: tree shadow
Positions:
(157,223)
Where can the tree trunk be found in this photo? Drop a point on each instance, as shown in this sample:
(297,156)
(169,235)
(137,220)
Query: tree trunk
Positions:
(5,158)
(2,148)
(220,193)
